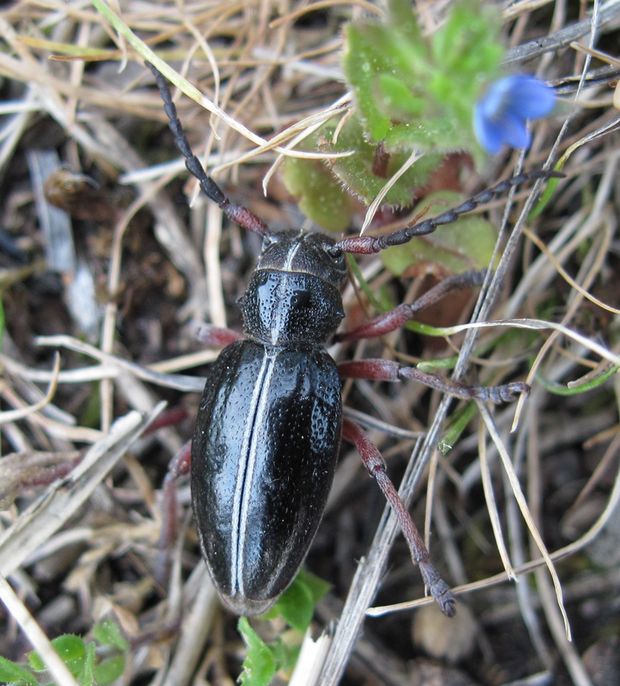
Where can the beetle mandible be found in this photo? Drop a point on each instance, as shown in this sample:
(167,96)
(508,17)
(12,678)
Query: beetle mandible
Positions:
(270,422)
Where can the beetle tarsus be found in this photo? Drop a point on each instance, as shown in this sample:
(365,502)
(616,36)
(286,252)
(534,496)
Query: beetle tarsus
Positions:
(388,370)
(438,589)
(506,392)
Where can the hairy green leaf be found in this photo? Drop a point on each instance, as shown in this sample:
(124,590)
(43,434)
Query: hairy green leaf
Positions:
(319,195)
(359,175)
(12,673)
(109,633)
(70,648)
(259,666)
(109,670)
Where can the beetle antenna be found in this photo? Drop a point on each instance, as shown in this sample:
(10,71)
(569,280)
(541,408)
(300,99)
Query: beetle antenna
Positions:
(373,244)
(237,213)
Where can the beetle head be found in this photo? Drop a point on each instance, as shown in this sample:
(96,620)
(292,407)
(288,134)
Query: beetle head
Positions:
(309,253)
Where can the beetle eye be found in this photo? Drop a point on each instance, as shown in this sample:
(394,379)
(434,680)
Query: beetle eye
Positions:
(334,251)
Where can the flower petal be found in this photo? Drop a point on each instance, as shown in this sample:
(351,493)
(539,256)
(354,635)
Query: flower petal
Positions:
(501,113)
(528,97)
(496,98)
(488,132)
(515,131)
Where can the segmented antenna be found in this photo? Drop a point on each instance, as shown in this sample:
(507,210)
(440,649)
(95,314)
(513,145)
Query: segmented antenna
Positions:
(237,213)
(372,244)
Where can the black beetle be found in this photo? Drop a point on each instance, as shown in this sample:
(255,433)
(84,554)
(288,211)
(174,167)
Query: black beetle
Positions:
(269,426)
(268,430)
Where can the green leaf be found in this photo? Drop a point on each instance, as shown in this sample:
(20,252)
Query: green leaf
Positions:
(545,196)
(458,423)
(357,172)
(381,299)
(70,648)
(577,389)
(468,41)
(259,666)
(12,673)
(109,669)
(285,655)
(108,633)
(397,97)
(402,18)
(319,195)
(465,244)
(358,276)
(296,605)
(371,50)
(363,59)
(86,675)
(435,133)
(318,587)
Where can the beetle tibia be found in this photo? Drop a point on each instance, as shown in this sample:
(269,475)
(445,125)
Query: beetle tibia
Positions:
(374,463)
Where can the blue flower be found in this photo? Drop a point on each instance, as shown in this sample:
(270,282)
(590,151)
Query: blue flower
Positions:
(500,115)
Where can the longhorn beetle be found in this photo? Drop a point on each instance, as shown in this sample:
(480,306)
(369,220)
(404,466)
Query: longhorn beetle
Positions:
(269,426)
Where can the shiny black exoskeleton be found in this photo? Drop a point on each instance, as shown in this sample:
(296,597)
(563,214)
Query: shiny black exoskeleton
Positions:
(270,421)
(268,430)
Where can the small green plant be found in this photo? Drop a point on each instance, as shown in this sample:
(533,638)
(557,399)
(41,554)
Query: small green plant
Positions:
(416,92)
(295,607)
(93,663)
(414,100)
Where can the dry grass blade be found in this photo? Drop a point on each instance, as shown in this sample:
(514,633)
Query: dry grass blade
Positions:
(567,277)
(378,201)
(39,641)
(176,381)
(537,325)
(192,92)
(370,570)
(492,505)
(195,631)
(14,415)
(525,511)
(582,542)
(308,126)
(63,498)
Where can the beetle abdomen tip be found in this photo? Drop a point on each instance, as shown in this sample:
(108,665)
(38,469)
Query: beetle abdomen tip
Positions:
(247,607)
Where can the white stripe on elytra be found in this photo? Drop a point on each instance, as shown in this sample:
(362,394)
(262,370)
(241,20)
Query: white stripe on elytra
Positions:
(245,473)
(276,327)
